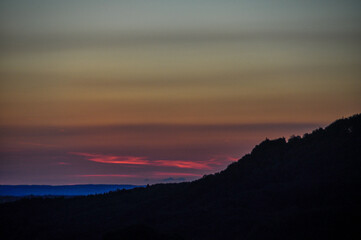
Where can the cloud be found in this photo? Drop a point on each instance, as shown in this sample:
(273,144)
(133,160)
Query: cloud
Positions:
(46,42)
(136,160)
(101,158)
(173,179)
(106,175)
(171,176)
(37,144)
(162,174)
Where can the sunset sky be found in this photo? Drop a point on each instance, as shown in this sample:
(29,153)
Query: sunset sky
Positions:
(140,92)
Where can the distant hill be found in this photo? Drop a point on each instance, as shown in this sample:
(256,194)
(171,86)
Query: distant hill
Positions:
(305,188)
(60,190)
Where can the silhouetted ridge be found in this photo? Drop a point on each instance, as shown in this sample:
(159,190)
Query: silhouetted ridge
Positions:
(338,144)
(305,188)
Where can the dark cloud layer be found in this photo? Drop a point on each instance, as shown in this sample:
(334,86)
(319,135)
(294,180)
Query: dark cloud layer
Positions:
(62,42)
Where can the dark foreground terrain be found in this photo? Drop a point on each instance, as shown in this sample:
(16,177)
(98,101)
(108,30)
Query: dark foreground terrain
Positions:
(303,188)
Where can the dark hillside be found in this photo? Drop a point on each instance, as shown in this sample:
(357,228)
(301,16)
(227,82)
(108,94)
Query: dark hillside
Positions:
(304,188)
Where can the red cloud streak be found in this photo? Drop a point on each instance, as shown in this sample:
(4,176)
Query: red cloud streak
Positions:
(134,160)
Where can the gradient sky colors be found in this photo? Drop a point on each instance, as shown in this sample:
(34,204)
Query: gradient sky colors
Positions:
(149,91)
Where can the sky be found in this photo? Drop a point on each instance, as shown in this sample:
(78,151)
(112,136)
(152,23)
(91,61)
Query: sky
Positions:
(142,92)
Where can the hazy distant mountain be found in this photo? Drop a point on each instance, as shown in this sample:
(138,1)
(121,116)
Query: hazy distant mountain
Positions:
(304,188)
(60,190)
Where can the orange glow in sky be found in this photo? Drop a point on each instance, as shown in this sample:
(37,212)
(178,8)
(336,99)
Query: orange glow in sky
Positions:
(119,92)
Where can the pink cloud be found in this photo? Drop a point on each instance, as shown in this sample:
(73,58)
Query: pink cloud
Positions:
(101,158)
(182,164)
(135,160)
